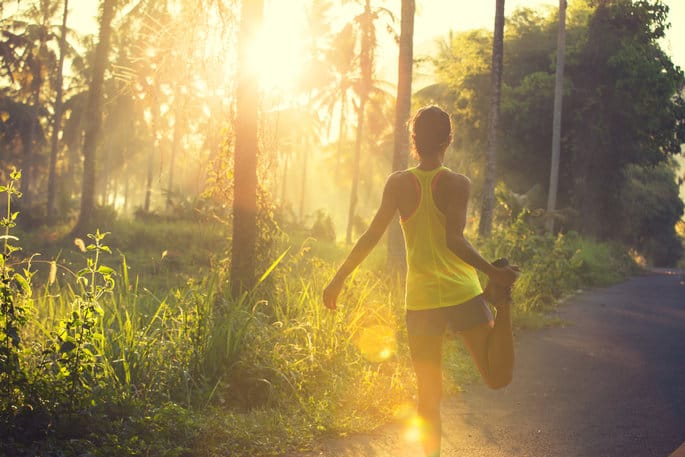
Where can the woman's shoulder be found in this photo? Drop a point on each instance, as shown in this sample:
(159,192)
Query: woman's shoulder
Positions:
(400,176)
(452,178)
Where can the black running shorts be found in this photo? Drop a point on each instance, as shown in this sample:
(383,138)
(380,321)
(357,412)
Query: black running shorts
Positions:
(433,322)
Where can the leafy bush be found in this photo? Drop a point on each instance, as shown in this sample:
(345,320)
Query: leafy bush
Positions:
(554,266)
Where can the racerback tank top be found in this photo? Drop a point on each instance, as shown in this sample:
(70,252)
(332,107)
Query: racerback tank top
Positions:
(436,276)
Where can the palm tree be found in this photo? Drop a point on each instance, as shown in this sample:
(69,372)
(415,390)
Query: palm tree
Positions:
(94,118)
(57,120)
(556,120)
(488,203)
(402,113)
(339,95)
(26,60)
(367,46)
(246,149)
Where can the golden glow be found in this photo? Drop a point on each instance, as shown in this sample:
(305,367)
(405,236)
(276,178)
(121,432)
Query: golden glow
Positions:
(404,411)
(377,343)
(279,53)
(414,430)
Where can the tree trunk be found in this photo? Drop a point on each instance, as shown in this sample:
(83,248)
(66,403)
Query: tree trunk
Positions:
(556,120)
(284,182)
(126,189)
(355,171)
(366,67)
(246,149)
(303,183)
(400,156)
(151,156)
(342,133)
(488,202)
(57,121)
(27,161)
(175,144)
(94,119)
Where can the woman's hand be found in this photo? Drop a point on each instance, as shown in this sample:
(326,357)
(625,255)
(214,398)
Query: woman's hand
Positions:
(331,292)
(498,290)
(505,276)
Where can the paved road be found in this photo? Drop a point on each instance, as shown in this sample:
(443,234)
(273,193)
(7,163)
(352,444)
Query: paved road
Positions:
(609,383)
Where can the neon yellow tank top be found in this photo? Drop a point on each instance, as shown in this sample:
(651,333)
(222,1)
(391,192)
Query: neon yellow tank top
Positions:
(436,276)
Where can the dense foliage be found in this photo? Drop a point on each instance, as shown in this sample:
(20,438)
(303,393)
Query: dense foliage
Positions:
(623,118)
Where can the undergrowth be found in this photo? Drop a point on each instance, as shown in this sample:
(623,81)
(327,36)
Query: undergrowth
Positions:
(94,363)
(554,266)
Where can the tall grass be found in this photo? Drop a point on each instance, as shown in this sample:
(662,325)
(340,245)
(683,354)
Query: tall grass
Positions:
(193,371)
(275,352)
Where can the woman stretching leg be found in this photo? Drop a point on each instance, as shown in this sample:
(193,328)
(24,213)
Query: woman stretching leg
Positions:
(442,286)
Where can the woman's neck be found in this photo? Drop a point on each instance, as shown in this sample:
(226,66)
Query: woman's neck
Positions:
(429,163)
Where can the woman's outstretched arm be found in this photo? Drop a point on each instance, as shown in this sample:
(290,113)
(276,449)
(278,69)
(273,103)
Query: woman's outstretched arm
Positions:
(365,244)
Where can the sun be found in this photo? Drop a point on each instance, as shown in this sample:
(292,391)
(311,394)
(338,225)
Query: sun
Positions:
(279,53)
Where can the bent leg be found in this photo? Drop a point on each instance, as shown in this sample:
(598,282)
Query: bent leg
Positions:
(492,348)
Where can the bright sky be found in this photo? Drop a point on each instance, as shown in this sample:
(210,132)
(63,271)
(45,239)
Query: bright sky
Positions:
(437,17)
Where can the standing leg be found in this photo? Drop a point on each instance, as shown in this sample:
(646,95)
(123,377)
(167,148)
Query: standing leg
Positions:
(426,354)
(492,348)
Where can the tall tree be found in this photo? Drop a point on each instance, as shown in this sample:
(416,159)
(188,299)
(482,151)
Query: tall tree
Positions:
(27,59)
(626,91)
(366,69)
(365,86)
(23,69)
(488,203)
(556,121)
(402,112)
(57,119)
(340,58)
(94,117)
(246,150)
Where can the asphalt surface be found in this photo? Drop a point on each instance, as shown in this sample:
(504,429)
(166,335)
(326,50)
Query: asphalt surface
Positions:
(610,382)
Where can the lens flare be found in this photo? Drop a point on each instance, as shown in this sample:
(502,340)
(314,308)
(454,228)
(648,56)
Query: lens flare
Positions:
(377,343)
(414,430)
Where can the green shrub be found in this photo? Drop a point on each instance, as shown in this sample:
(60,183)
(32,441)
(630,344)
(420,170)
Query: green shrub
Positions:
(554,266)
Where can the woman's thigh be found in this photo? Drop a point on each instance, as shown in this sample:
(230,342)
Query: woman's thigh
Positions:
(425,331)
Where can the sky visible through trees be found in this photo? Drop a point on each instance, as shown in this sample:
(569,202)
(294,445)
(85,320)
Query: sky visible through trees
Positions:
(433,18)
(177,73)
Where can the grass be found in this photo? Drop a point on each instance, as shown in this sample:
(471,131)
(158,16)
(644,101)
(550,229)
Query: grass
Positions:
(180,368)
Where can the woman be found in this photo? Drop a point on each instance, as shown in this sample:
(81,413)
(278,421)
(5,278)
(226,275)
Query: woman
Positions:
(442,286)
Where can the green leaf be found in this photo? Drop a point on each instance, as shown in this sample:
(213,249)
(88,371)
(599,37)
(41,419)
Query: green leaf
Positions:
(24,284)
(13,335)
(105,270)
(67,346)
(272,267)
